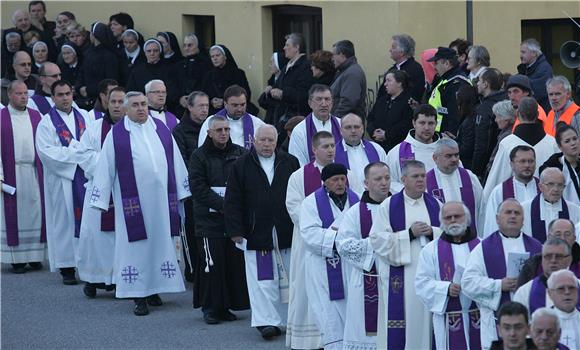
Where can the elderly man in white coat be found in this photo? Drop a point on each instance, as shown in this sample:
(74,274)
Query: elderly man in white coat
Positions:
(140,164)
(438,281)
(563,290)
(61,153)
(402,227)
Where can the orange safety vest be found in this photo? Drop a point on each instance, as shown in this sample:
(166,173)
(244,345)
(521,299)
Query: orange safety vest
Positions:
(565,117)
(541,116)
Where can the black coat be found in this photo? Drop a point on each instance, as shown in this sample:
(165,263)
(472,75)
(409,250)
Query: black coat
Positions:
(218,80)
(486,131)
(253,206)
(100,63)
(210,167)
(294,84)
(126,67)
(191,71)
(392,115)
(186,134)
(466,140)
(448,92)
(416,79)
(70,74)
(539,73)
(145,72)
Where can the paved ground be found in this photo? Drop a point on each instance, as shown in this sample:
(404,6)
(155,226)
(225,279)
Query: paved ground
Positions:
(39,312)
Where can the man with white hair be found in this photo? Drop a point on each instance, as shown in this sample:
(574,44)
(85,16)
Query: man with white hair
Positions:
(563,290)
(402,51)
(563,107)
(438,280)
(545,329)
(156,97)
(536,67)
(548,205)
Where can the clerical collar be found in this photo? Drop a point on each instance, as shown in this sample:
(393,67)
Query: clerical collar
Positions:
(409,198)
(339,200)
(507,237)
(360,143)
(157,110)
(367,198)
(525,183)
(322,121)
(556,204)
(73,65)
(467,237)
(169,55)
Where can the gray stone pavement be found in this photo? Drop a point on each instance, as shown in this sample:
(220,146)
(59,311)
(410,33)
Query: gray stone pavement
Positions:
(39,312)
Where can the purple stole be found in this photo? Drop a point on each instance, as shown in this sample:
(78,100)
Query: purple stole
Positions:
(341,156)
(405,153)
(312,180)
(132,211)
(456,333)
(108,217)
(467,195)
(311,130)
(248,126)
(396,324)
(494,257)
(371,282)
(562,347)
(42,104)
(170,118)
(98,114)
(333,265)
(538,295)
(539,225)
(507,188)
(78,183)
(9,166)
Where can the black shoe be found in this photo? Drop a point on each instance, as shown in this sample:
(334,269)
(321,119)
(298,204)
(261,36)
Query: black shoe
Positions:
(18,268)
(90,290)
(35,265)
(211,318)
(141,308)
(269,332)
(226,315)
(68,276)
(154,300)
(110,287)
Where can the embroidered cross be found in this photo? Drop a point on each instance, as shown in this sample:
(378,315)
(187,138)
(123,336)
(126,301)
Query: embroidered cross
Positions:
(172,203)
(129,274)
(567,339)
(334,261)
(396,284)
(131,206)
(186,184)
(95,195)
(168,269)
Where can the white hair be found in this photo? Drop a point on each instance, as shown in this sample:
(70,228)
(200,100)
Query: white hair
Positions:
(266,127)
(216,118)
(563,273)
(444,143)
(509,200)
(151,82)
(466,211)
(559,80)
(533,45)
(550,170)
(130,94)
(544,311)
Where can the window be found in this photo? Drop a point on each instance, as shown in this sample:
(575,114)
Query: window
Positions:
(305,20)
(202,26)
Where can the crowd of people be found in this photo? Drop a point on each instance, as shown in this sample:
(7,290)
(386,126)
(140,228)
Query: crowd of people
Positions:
(446,215)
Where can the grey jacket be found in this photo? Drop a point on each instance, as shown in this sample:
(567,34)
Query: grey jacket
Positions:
(349,89)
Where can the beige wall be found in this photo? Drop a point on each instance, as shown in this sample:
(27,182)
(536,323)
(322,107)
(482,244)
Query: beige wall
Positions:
(245,27)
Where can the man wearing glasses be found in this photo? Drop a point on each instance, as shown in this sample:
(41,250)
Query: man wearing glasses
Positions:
(563,290)
(22,69)
(42,101)
(157,98)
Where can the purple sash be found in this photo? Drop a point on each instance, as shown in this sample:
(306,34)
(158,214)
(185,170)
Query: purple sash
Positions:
(98,114)
(265,265)
(396,324)
(371,282)
(311,130)
(575,267)
(562,347)
(42,104)
(132,211)
(341,156)
(248,125)
(170,118)
(9,166)
(312,180)
(508,188)
(405,153)
(333,265)
(467,195)
(456,333)
(78,183)
(108,217)
(494,257)
(539,225)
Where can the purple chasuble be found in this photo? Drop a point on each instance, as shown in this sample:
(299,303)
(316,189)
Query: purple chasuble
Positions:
(132,211)
(311,130)
(370,280)
(466,190)
(79,180)
(248,126)
(455,326)
(42,103)
(108,217)
(341,155)
(508,191)
(333,265)
(494,257)
(396,323)
(9,166)
(405,153)
(312,180)
(539,225)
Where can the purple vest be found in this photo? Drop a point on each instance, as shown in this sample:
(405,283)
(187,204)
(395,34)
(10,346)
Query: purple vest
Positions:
(341,156)
(539,225)
(311,130)
(248,126)
(508,191)
(9,166)
(312,180)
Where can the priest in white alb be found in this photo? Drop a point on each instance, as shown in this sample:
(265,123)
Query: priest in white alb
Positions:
(320,217)
(156,93)
(419,144)
(23,224)
(354,248)
(140,165)
(563,290)
(438,281)
(61,153)
(522,186)
(486,279)
(403,225)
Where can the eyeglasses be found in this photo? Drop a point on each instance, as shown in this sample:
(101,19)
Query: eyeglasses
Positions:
(554,256)
(562,234)
(565,289)
(553,184)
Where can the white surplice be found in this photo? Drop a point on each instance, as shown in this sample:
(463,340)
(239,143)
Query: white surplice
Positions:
(484,290)
(148,266)
(236,130)
(548,213)
(32,104)
(59,164)
(29,248)
(298,145)
(433,291)
(423,152)
(501,169)
(329,314)
(522,192)
(570,325)
(358,257)
(96,248)
(396,248)
(570,193)
(161,116)
(358,160)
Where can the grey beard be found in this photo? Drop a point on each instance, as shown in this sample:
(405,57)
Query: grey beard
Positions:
(456,229)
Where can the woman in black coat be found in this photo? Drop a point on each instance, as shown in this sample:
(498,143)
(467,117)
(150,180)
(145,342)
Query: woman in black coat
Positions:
(391,117)
(132,55)
(322,67)
(277,62)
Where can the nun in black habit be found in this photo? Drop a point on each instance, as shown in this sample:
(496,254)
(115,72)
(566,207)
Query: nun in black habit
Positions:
(131,55)
(171,50)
